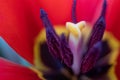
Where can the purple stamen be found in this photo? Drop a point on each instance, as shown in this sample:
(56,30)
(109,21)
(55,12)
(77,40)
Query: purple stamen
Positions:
(46,20)
(95,54)
(58,47)
(98,28)
(53,41)
(104,8)
(67,55)
(74,11)
(91,57)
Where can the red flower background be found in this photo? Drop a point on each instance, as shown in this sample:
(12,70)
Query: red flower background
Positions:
(20,20)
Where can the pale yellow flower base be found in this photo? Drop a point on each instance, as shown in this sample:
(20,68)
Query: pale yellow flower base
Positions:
(114,44)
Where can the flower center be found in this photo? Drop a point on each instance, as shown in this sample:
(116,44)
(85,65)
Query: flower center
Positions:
(71,52)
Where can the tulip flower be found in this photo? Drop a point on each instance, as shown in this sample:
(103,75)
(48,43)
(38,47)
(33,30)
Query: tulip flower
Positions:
(78,52)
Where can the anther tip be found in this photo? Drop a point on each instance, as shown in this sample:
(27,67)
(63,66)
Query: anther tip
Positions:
(105,4)
(104,7)
(42,12)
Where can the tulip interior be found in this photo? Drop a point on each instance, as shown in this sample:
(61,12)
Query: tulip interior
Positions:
(76,52)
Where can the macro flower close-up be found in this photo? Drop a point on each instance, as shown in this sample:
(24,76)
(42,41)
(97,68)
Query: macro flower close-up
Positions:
(59,40)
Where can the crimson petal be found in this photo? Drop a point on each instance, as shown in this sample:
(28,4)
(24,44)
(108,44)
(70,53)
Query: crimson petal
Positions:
(12,71)
(19,25)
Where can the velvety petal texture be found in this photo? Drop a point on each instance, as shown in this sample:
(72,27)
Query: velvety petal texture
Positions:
(112,18)
(20,24)
(12,71)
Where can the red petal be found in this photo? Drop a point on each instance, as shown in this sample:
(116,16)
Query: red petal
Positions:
(89,10)
(60,11)
(20,24)
(113,17)
(12,71)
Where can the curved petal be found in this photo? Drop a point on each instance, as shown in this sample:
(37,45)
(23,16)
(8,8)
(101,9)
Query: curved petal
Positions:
(12,71)
(19,25)
(89,10)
